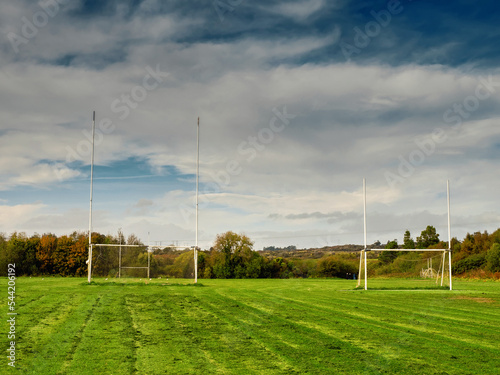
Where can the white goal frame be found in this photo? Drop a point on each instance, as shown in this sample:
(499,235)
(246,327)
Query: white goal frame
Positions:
(149,250)
(362,256)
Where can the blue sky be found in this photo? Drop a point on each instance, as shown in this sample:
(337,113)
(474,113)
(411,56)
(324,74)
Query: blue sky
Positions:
(298,100)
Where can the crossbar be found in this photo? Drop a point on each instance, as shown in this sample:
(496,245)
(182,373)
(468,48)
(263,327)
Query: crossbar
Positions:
(407,250)
(117,245)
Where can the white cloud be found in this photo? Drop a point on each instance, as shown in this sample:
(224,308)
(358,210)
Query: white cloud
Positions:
(299,10)
(13,218)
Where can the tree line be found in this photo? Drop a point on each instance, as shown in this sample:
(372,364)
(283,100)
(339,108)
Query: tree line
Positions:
(232,256)
(477,254)
(49,254)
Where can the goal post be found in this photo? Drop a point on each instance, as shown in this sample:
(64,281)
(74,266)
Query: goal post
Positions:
(363,253)
(91,260)
(115,260)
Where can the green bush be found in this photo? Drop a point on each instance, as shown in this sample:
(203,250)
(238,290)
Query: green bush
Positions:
(493,258)
(333,266)
(468,264)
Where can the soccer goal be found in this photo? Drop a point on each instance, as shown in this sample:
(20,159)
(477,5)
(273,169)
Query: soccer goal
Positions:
(445,253)
(115,260)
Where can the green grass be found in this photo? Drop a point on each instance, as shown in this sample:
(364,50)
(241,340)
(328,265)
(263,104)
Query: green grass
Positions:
(312,326)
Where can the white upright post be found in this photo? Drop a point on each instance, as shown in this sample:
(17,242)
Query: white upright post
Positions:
(364,217)
(149,261)
(149,249)
(366,273)
(120,255)
(360,268)
(197,189)
(449,230)
(443,267)
(91,196)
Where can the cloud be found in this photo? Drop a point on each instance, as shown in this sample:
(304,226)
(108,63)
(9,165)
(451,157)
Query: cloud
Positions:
(299,10)
(350,120)
(144,203)
(13,218)
(332,216)
(142,208)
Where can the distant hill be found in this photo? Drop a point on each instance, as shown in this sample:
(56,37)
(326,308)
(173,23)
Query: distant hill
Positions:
(313,253)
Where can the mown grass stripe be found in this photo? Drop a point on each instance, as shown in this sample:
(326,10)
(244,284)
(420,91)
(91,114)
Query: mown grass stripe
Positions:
(256,327)
(106,346)
(87,308)
(284,364)
(325,350)
(450,345)
(372,314)
(44,346)
(372,321)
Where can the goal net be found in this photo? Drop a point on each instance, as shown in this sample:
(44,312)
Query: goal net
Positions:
(112,260)
(414,268)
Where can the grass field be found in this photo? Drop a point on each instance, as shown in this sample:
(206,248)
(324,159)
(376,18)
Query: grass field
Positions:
(311,326)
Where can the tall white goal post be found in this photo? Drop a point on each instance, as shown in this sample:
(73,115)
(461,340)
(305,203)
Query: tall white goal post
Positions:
(89,260)
(91,245)
(362,256)
(149,248)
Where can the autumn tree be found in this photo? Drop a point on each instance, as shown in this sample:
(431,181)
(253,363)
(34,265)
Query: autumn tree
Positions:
(46,249)
(78,256)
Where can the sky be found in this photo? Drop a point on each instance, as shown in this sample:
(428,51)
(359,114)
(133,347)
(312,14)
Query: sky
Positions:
(298,102)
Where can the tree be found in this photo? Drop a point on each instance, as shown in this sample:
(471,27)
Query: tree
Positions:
(335,266)
(493,258)
(389,256)
(78,255)
(183,266)
(4,261)
(44,255)
(495,236)
(14,251)
(61,255)
(232,256)
(428,237)
(408,242)
(467,244)
(133,240)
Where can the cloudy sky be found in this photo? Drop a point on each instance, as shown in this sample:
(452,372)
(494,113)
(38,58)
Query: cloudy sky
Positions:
(298,101)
